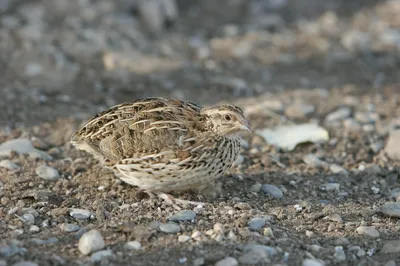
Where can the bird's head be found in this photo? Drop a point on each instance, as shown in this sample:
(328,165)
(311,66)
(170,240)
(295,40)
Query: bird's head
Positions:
(226,120)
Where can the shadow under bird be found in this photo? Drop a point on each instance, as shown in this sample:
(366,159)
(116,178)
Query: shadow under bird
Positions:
(165,145)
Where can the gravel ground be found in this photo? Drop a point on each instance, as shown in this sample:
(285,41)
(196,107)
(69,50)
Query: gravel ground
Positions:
(330,200)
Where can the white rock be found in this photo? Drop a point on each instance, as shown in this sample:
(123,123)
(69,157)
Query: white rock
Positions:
(367,231)
(391,209)
(33,69)
(314,161)
(393,145)
(80,214)
(47,173)
(70,227)
(391,247)
(313,262)
(132,245)
(34,229)
(339,114)
(183,238)
(21,146)
(228,261)
(330,186)
(339,254)
(28,218)
(272,190)
(288,137)
(337,169)
(90,242)
(8,165)
(170,228)
(185,215)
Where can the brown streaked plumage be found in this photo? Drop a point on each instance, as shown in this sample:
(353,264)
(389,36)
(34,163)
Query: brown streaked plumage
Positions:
(162,145)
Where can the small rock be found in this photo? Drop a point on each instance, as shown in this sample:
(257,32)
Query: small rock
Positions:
(313,262)
(8,165)
(339,114)
(334,218)
(313,161)
(218,228)
(339,254)
(90,242)
(185,215)
(38,241)
(170,228)
(21,146)
(270,251)
(391,247)
(239,160)
(183,238)
(315,248)
(28,218)
(367,231)
(393,145)
(100,255)
(268,232)
(255,188)
(70,227)
(228,261)
(256,223)
(337,169)
(33,69)
(272,190)
(330,186)
(132,245)
(80,214)
(299,110)
(360,253)
(34,229)
(310,234)
(391,209)
(47,173)
(199,262)
(342,241)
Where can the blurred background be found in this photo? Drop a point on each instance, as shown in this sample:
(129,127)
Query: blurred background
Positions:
(74,58)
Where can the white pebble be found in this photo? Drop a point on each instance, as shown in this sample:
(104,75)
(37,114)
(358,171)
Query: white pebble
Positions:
(228,261)
(313,262)
(132,245)
(90,242)
(80,214)
(34,229)
(100,255)
(183,238)
(367,231)
(8,165)
(170,228)
(47,173)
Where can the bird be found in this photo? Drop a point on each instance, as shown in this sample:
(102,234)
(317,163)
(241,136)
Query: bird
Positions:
(164,145)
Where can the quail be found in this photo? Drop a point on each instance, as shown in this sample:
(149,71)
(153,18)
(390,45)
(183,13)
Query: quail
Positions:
(165,145)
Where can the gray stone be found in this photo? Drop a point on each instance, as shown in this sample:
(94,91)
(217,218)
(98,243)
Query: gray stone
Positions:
(313,161)
(391,209)
(39,241)
(25,263)
(70,227)
(256,223)
(28,218)
(183,238)
(391,247)
(367,231)
(47,173)
(185,215)
(90,242)
(339,254)
(339,114)
(100,255)
(8,165)
(330,186)
(170,228)
(228,261)
(272,190)
(337,169)
(21,146)
(270,251)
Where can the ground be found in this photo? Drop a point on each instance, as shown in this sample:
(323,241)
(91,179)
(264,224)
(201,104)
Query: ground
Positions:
(282,61)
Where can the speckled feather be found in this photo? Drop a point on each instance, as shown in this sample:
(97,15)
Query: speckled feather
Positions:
(160,144)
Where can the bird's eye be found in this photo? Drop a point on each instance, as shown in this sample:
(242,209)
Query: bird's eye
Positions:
(228,117)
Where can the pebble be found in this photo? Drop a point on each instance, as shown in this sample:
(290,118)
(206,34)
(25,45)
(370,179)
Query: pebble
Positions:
(185,215)
(183,238)
(367,231)
(313,262)
(80,214)
(218,228)
(132,245)
(47,173)
(339,114)
(391,209)
(25,263)
(268,232)
(272,190)
(70,227)
(256,223)
(170,228)
(393,145)
(334,218)
(360,253)
(270,251)
(313,161)
(255,188)
(337,169)
(299,110)
(253,257)
(339,254)
(8,165)
(228,261)
(21,146)
(100,255)
(90,242)
(391,247)
(34,229)
(330,186)
(342,241)
(38,241)
(310,234)
(199,261)
(28,218)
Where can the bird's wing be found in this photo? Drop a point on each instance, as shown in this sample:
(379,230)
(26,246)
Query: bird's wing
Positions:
(143,128)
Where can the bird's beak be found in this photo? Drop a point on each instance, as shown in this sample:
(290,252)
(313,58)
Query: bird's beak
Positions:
(246,126)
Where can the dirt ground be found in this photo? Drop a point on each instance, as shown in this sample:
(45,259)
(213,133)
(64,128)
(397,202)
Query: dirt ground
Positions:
(64,61)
